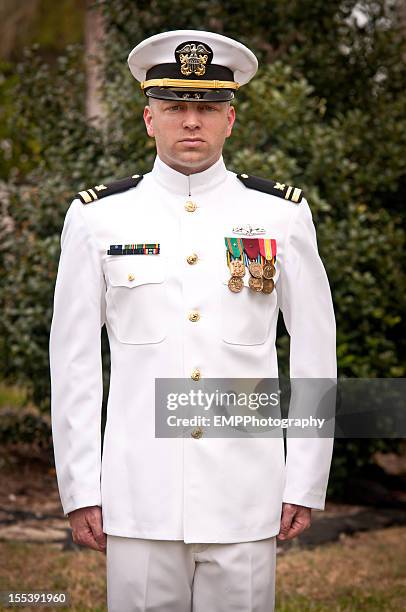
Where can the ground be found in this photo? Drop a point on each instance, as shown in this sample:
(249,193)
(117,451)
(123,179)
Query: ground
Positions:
(345,562)
(361,572)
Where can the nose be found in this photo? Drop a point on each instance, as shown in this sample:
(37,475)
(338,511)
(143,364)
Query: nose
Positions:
(191,119)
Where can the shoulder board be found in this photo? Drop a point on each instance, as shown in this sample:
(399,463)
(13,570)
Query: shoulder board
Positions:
(101,191)
(287,192)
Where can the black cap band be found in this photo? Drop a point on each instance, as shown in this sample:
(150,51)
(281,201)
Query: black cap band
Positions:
(171,71)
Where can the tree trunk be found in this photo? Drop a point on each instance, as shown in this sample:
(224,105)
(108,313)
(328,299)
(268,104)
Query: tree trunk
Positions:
(93,36)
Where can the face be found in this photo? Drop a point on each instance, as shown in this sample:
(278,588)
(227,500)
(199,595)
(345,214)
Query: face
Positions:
(189,136)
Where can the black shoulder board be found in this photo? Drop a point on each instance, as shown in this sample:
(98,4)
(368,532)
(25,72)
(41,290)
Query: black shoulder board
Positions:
(101,191)
(287,192)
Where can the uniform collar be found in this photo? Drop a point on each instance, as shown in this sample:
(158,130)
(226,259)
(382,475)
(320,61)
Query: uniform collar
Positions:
(188,185)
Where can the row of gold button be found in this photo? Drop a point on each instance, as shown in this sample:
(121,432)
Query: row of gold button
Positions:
(194,316)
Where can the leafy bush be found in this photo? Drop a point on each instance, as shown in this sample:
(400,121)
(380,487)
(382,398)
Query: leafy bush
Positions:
(327,111)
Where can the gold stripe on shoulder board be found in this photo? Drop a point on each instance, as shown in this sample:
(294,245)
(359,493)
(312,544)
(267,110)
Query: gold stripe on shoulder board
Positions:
(287,194)
(93,194)
(296,194)
(87,198)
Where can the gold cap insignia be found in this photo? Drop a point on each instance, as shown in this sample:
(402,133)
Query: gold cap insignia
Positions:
(193,57)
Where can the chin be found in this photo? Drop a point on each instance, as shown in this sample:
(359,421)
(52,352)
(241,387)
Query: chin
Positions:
(193,159)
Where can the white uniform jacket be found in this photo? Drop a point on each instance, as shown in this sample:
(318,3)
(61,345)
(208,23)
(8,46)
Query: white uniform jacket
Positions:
(196,490)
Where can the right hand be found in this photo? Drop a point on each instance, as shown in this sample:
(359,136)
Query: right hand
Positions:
(87,527)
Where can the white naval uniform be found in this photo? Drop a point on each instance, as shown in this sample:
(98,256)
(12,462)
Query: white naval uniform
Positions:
(197,490)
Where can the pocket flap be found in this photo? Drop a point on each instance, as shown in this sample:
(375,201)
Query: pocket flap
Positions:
(134,270)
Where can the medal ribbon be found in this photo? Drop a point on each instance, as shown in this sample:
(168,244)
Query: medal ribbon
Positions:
(234,246)
(251,247)
(264,247)
(267,248)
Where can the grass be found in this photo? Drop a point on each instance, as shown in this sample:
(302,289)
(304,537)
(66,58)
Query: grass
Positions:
(39,566)
(365,572)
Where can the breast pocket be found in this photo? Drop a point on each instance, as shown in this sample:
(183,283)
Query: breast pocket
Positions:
(245,316)
(135,298)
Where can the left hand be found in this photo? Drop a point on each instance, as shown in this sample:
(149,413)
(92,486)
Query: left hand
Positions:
(294,520)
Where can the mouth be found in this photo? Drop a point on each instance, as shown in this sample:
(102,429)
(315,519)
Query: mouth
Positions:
(191,143)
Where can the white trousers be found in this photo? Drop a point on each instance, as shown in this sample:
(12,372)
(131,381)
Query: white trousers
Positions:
(171,576)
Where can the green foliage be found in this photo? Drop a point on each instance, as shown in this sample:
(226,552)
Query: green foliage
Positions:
(25,426)
(12,149)
(326,112)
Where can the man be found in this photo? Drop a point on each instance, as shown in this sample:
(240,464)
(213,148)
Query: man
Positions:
(173,263)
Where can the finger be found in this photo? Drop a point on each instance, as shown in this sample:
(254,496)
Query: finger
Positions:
(288,513)
(96,526)
(88,541)
(298,526)
(100,539)
(84,537)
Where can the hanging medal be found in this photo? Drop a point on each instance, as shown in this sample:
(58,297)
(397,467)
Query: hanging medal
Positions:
(267,249)
(254,283)
(251,247)
(235,264)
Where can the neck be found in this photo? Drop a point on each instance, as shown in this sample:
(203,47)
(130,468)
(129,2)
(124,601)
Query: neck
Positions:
(178,182)
(186,169)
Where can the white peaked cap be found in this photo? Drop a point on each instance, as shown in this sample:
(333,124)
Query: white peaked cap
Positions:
(222,61)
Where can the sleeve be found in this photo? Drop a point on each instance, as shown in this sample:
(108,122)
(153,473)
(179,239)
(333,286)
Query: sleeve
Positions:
(76,366)
(306,304)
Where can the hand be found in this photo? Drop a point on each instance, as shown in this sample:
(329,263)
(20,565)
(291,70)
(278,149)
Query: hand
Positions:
(294,520)
(87,527)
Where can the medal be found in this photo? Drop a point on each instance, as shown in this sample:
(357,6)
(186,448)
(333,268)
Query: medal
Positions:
(267,248)
(251,247)
(268,285)
(235,284)
(268,271)
(259,254)
(255,284)
(237,268)
(255,269)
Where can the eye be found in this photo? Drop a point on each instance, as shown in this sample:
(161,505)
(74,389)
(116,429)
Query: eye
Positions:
(173,108)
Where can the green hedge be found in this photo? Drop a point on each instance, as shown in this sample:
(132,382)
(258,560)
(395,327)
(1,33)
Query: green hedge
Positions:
(327,112)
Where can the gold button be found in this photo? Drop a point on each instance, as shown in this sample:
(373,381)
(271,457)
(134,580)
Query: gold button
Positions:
(197,433)
(131,277)
(244,175)
(195,375)
(190,206)
(192,259)
(194,316)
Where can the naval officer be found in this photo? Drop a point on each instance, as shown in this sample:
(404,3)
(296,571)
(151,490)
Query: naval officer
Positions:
(188,268)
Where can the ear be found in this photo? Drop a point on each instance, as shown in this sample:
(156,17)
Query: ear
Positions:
(230,120)
(148,121)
